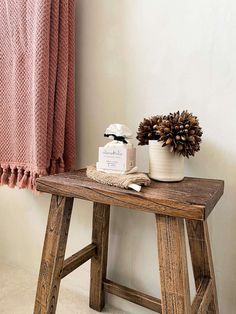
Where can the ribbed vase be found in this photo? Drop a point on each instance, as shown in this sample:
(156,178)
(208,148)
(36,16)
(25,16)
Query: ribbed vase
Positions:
(163,164)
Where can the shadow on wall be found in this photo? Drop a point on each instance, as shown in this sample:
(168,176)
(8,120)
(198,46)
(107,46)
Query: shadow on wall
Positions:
(216,162)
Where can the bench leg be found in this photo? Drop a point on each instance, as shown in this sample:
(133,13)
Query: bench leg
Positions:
(101,215)
(53,254)
(202,259)
(173,265)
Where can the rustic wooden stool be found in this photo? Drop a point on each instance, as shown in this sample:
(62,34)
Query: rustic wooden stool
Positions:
(191,200)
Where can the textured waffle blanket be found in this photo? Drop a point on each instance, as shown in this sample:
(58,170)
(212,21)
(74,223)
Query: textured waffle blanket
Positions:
(37,121)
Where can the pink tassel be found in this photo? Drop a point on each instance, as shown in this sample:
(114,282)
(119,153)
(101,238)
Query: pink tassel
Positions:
(12,179)
(33,180)
(4,176)
(30,182)
(19,175)
(35,176)
(53,169)
(61,166)
(24,181)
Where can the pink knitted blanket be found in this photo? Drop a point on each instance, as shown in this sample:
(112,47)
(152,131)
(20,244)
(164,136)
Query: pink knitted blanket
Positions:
(37,120)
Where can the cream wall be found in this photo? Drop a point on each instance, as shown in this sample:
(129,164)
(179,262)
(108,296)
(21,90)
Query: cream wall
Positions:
(136,58)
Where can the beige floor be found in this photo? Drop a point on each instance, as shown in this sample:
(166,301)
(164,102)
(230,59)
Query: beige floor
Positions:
(17,291)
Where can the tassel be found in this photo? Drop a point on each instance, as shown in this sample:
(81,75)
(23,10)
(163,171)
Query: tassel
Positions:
(61,166)
(23,182)
(4,176)
(33,180)
(29,186)
(53,167)
(12,179)
(19,175)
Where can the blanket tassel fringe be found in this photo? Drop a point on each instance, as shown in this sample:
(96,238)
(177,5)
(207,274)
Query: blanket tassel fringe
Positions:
(23,178)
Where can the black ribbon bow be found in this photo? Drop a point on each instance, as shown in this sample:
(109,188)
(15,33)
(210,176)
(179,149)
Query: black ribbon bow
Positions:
(117,138)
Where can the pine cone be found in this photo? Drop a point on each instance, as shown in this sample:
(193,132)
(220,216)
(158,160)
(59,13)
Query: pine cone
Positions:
(147,130)
(180,131)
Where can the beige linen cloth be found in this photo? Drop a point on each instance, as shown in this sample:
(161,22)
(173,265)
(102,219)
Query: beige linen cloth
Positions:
(119,180)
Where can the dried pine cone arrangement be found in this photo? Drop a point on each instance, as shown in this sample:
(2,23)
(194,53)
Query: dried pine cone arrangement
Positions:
(147,130)
(180,131)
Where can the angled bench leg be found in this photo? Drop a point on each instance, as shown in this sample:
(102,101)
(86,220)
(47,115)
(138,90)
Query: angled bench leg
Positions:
(101,216)
(53,254)
(202,259)
(173,265)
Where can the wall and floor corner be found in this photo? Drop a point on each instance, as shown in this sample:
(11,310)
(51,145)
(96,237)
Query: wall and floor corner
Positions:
(136,58)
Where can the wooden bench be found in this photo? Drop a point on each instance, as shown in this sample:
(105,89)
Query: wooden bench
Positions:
(190,200)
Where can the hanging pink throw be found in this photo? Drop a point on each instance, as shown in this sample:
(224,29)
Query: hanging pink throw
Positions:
(37,120)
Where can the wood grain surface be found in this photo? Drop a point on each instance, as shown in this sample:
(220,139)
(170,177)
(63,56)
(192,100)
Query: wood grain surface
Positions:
(53,255)
(173,265)
(203,297)
(101,216)
(200,249)
(192,198)
(132,295)
(77,259)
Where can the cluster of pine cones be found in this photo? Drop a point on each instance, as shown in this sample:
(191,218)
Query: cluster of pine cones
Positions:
(180,131)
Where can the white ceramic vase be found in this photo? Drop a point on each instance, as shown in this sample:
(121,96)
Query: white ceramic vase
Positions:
(163,164)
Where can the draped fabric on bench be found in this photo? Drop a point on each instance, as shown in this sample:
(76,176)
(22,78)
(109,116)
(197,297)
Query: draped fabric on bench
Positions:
(37,120)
